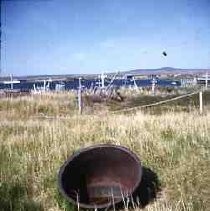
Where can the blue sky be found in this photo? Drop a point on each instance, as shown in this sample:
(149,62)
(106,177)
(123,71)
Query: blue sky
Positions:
(91,36)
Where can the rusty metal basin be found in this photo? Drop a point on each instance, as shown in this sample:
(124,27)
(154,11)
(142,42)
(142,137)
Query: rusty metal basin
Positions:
(100,176)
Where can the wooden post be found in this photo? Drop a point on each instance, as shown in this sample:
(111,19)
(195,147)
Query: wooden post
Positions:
(80,96)
(11,85)
(201,102)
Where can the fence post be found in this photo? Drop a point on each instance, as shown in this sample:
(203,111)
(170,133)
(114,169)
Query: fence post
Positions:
(201,102)
(80,96)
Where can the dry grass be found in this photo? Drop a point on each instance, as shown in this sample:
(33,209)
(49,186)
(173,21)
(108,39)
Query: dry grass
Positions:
(174,145)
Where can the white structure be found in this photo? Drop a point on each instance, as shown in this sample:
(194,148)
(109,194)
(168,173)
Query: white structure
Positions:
(41,89)
(60,86)
(101,82)
(204,80)
(154,81)
(11,82)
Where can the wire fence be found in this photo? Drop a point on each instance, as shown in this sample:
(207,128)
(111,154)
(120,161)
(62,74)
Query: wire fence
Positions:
(132,109)
(153,104)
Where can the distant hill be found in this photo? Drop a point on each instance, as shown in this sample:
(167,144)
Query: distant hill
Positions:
(167,70)
(158,71)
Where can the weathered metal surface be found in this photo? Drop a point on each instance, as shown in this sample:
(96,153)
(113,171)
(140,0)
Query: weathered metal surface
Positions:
(99,175)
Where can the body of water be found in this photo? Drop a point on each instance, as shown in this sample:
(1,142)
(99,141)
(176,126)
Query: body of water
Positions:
(73,84)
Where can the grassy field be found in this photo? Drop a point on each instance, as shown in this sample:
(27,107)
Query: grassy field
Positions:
(175,144)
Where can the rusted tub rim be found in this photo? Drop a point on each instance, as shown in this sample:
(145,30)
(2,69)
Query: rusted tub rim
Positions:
(99,146)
